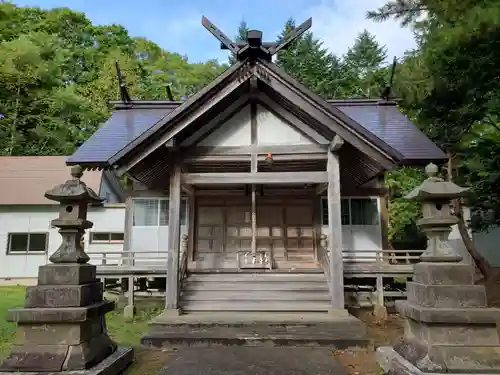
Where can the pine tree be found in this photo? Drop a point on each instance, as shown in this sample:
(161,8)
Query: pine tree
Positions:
(240,37)
(310,63)
(363,65)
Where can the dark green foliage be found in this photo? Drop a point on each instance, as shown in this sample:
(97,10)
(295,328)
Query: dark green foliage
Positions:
(450,86)
(58,75)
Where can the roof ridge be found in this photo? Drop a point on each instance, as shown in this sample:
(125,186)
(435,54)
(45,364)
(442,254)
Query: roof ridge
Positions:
(168,104)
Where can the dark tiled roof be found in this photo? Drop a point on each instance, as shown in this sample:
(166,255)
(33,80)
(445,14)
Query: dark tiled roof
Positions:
(122,127)
(390,125)
(384,121)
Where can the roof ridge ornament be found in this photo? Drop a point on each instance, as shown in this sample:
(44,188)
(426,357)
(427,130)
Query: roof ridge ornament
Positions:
(122,86)
(386,94)
(253,47)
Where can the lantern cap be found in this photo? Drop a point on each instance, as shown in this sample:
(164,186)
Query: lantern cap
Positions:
(73,190)
(436,188)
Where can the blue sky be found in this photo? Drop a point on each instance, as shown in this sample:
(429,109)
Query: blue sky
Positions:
(176,25)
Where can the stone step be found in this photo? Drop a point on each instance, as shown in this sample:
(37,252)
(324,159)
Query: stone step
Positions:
(334,332)
(264,295)
(254,305)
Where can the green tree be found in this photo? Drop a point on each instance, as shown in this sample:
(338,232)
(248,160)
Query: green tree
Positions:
(363,65)
(241,36)
(311,64)
(456,103)
(58,76)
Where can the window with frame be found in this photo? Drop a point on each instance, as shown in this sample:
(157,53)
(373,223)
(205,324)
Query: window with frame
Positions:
(27,243)
(106,237)
(154,212)
(354,211)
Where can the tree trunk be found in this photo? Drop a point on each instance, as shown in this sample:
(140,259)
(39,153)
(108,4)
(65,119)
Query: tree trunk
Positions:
(481,262)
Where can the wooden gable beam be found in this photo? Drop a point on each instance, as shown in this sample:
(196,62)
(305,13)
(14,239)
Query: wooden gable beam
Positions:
(269,78)
(243,153)
(254,178)
(336,143)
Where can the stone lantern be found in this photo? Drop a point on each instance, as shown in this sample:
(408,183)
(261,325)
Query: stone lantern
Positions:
(435,195)
(74,197)
(448,326)
(62,327)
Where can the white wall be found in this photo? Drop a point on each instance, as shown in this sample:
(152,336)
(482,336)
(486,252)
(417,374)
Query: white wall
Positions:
(360,237)
(154,238)
(37,219)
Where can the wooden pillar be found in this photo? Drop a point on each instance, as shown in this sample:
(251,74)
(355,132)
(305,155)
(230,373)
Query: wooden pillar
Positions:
(254,221)
(191,226)
(172,295)
(254,168)
(335,228)
(127,234)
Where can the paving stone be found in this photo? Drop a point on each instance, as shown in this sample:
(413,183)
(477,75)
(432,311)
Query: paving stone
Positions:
(255,361)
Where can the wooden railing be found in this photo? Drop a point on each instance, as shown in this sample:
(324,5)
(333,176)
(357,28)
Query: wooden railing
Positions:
(138,261)
(129,259)
(372,264)
(358,264)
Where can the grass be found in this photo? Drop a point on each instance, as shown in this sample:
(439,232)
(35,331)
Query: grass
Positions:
(124,333)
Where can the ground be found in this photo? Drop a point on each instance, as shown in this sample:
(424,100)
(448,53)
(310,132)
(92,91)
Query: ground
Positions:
(149,362)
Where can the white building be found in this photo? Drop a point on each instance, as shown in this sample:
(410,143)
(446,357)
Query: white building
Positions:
(27,238)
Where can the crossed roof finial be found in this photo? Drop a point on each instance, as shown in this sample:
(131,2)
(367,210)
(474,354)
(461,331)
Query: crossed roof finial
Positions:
(253,47)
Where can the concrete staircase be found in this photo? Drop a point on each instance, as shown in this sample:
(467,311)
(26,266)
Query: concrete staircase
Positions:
(256,292)
(256,309)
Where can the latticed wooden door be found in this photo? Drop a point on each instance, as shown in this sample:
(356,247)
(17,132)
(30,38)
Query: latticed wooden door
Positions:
(239,228)
(210,230)
(299,233)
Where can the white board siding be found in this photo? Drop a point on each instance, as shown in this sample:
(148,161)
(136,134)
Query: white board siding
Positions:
(234,132)
(36,219)
(365,238)
(154,238)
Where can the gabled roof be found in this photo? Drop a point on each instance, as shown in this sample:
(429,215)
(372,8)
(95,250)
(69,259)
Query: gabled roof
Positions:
(25,179)
(370,123)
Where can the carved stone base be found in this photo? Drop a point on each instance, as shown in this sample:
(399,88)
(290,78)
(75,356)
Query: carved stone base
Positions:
(62,326)
(114,364)
(448,326)
(393,363)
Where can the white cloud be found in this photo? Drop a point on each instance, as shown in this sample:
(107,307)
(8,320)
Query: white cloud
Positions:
(338,22)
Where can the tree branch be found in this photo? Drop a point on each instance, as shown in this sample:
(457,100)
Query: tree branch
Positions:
(492,123)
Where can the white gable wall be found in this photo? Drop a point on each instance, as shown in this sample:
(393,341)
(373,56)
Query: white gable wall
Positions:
(36,219)
(234,132)
(271,130)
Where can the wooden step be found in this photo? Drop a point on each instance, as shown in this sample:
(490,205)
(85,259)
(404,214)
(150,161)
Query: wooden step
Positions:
(246,305)
(268,295)
(257,292)
(254,286)
(258,277)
